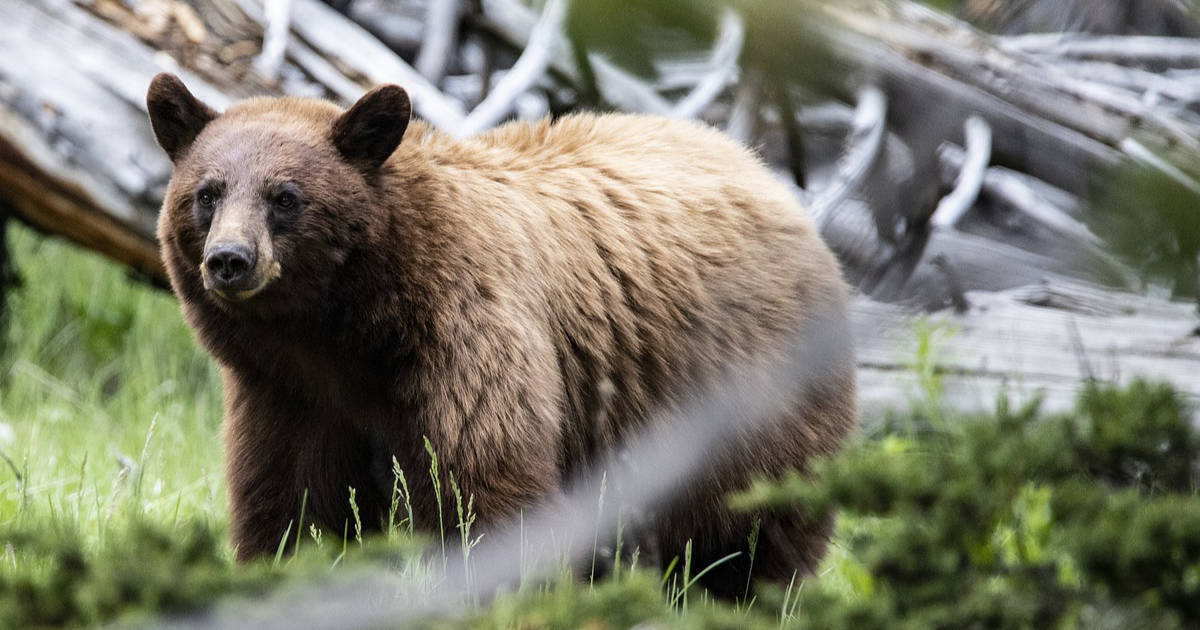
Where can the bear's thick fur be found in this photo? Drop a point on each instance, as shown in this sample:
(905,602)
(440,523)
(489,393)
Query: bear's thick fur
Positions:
(365,282)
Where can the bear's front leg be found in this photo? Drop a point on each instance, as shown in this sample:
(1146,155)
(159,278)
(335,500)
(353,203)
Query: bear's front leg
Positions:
(260,450)
(489,402)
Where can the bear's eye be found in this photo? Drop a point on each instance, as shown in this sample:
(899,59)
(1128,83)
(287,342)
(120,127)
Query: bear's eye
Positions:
(207,195)
(205,204)
(284,203)
(286,200)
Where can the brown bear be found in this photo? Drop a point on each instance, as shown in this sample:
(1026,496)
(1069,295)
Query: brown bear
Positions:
(366,283)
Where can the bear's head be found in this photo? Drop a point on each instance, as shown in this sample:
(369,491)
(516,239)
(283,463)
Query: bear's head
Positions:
(269,198)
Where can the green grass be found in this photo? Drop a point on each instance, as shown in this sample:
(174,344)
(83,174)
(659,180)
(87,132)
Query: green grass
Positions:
(111,481)
(108,403)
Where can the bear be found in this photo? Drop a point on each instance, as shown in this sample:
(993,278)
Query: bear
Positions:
(521,302)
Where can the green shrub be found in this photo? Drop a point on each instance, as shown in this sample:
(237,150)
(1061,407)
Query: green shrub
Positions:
(1079,520)
(54,578)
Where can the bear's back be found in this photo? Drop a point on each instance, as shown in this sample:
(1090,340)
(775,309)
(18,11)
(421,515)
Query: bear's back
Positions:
(661,253)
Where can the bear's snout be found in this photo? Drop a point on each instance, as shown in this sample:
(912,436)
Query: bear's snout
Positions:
(237,271)
(229,265)
(238,259)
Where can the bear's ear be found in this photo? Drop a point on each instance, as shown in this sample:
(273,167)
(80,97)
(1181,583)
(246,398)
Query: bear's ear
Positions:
(176,116)
(368,132)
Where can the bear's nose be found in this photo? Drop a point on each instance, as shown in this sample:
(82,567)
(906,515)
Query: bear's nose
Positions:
(228,264)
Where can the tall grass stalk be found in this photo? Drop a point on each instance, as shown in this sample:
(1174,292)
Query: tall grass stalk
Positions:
(596,530)
(399,493)
(752,544)
(466,517)
(437,494)
(357,519)
(283,543)
(300,523)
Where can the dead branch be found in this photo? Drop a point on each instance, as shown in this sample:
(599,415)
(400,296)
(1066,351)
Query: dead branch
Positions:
(724,67)
(863,148)
(441,34)
(1143,50)
(529,68)
(514,22)
(278,19)
(747,103)
(343,42)
(970,177)
(1017,192)
(1021,195)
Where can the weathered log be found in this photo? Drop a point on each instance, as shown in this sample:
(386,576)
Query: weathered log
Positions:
(1064,130)
(1044,339)
(346,44)
(933,86)
(1140,51)
(1170,91)
(1127,17)
(77,157)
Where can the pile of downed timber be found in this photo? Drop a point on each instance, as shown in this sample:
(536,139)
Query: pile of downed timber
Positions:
(951,169)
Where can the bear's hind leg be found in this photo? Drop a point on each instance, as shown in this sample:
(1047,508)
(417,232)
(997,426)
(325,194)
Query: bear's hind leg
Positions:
(787,546)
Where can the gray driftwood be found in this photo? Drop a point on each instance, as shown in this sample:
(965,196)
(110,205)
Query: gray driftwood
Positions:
(77,157)
(1044,339)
